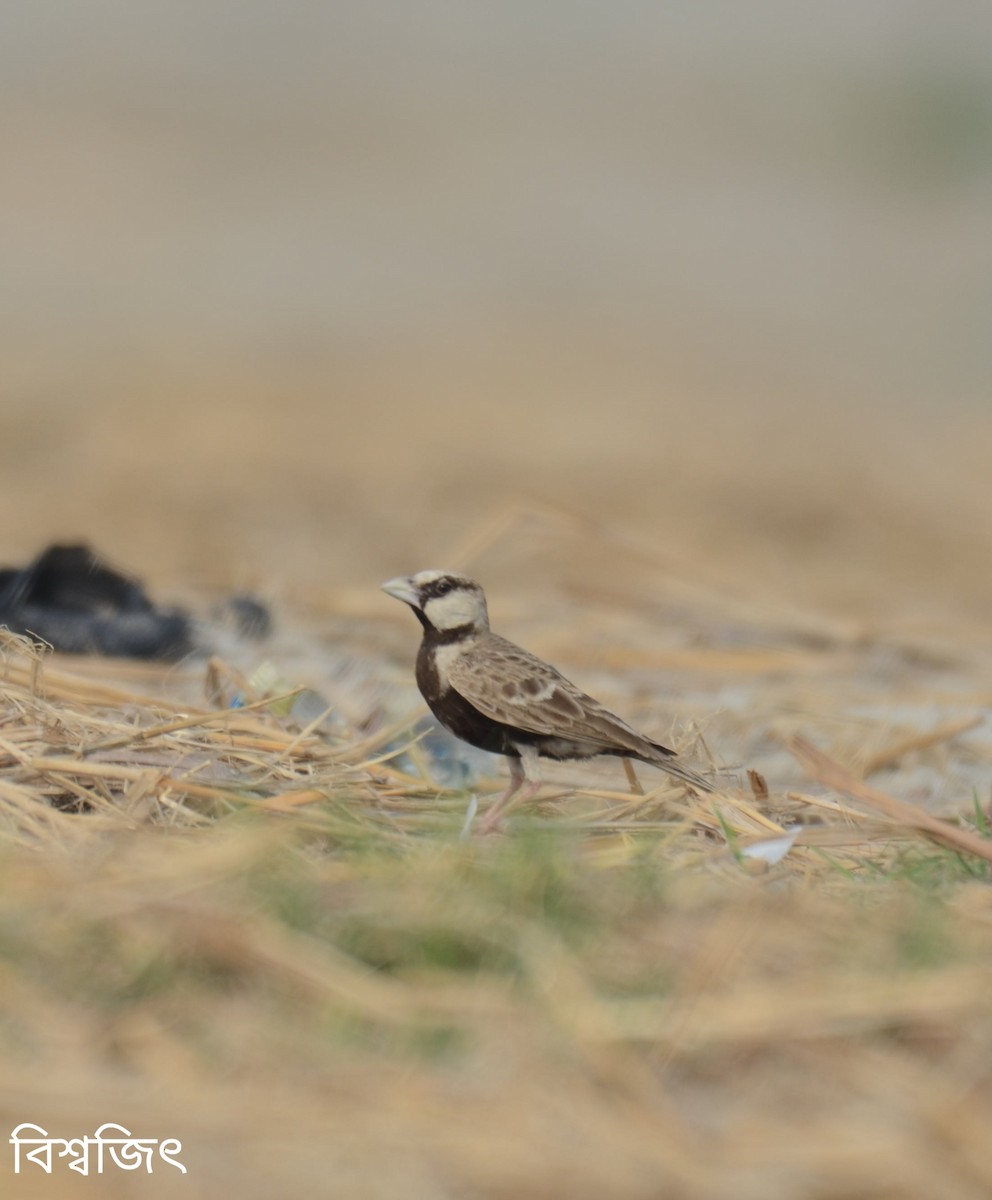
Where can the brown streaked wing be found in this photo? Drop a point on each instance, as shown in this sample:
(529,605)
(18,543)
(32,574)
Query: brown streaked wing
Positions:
(509,685)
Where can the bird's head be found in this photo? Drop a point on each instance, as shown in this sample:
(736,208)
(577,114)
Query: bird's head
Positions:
(442,600)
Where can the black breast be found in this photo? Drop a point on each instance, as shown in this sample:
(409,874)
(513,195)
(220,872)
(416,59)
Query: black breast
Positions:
(455,713)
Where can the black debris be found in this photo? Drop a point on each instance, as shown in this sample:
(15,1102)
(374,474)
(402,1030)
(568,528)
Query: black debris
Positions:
(71,599)
(248,616)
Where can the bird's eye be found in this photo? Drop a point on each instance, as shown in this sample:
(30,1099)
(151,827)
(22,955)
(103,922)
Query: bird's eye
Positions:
(444,587)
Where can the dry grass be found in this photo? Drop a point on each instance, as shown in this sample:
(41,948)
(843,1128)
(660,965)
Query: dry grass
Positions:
(275,944)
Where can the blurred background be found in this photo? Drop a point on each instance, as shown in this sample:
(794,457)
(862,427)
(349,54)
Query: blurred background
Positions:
(298,295)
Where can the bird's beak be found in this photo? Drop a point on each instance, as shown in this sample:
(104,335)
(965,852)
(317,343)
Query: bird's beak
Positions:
(402,588)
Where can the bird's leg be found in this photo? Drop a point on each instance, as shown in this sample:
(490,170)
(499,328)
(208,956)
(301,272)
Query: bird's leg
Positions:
(492,820)
(522,770)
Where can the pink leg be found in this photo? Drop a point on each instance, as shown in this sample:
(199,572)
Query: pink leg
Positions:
(522,769)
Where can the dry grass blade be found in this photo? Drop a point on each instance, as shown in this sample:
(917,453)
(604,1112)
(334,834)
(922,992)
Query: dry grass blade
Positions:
(918,741)
(635,784)
(790,1010)
(288,801)
(188,722)
(60,767)
(830,772)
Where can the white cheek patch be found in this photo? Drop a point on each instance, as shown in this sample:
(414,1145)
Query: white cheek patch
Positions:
(457,608)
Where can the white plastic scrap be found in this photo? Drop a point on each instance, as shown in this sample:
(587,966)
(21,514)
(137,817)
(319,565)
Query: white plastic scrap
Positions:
(473,808)
(773,850)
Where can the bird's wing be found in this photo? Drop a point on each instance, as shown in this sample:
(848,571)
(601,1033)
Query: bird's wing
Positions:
(507,684)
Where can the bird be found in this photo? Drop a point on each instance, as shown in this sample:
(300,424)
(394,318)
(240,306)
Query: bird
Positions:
(499,697)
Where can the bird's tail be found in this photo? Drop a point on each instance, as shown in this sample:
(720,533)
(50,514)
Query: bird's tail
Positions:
(687,776)
(666,760)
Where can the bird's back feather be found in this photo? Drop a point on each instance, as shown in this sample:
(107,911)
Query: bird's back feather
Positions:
(509,685)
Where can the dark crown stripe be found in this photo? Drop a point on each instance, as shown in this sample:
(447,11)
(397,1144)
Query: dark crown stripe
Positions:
(444,586)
